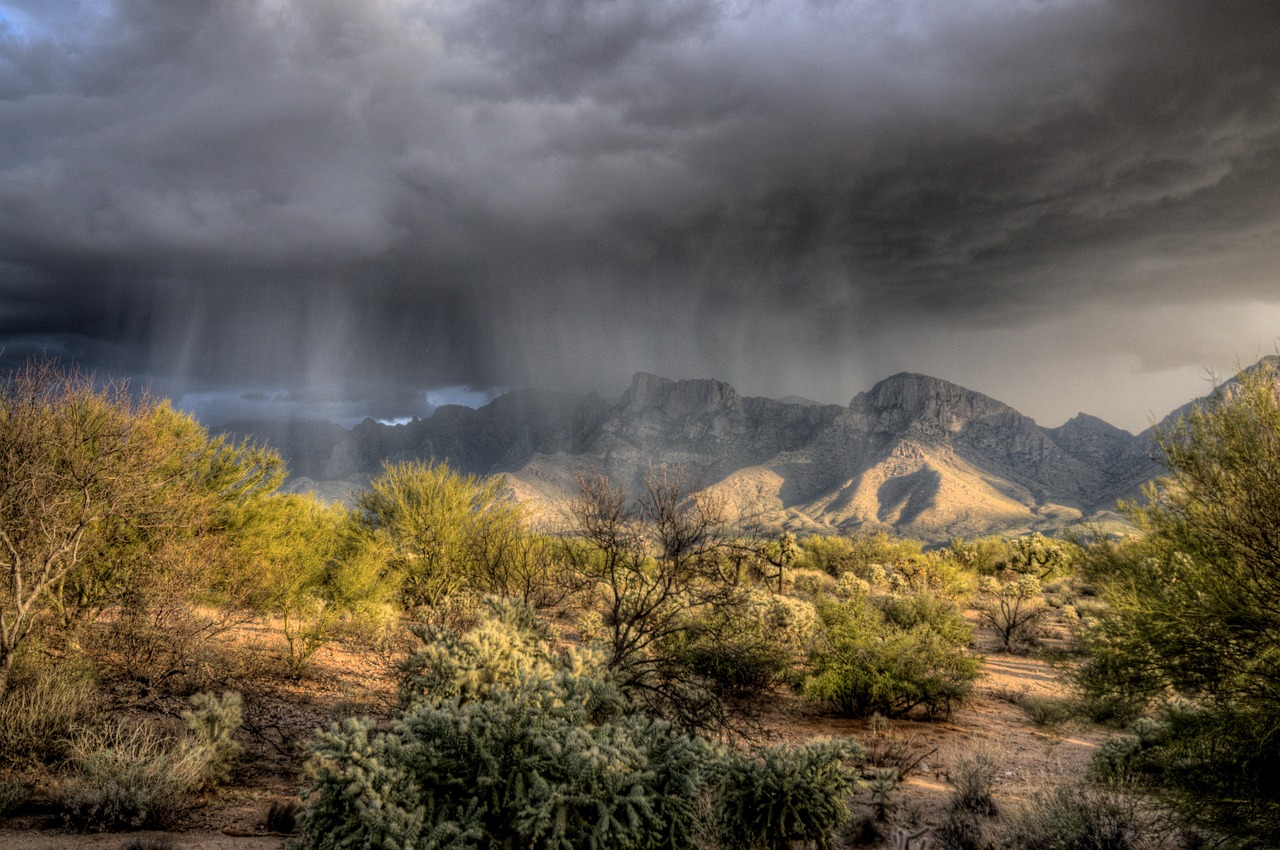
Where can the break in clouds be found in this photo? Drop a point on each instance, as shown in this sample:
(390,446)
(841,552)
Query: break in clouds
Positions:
(335,208)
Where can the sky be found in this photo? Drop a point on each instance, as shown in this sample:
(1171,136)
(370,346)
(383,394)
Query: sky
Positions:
(326,208)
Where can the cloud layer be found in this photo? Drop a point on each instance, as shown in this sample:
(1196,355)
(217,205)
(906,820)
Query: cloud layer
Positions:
(358,203)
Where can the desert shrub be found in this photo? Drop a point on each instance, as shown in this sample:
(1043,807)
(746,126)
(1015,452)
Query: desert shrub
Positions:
(282,817)
(128,776)
(1039,556)
(101,492)
(14,791)
(1081,817)
(856,553)
(519,745)
(162,640)
(812,582)
(740,652)
(982,555)
(1011,603)
(785,794)
(962,829)
(934,574)
(1193,610)
(974,775)
(885,746)
(39,713)
(849,585)
(864,663)
(665,576)
(149,843)
(1208,763)
(313,568)
(931,611)
(1048,711)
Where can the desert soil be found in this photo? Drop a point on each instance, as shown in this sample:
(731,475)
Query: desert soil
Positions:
(340,684)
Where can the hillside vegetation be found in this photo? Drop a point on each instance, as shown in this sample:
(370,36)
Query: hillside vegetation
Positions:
(604,685)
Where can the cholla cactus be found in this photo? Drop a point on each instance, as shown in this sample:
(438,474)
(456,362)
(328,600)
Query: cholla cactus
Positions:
(884,792)
(516,745)
(508,643)
(783,795)
(212,720)
(850,586)
(877,575)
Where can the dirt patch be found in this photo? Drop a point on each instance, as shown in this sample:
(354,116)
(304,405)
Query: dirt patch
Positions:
(280,718)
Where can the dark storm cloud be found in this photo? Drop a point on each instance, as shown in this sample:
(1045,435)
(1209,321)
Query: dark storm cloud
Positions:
(366,201)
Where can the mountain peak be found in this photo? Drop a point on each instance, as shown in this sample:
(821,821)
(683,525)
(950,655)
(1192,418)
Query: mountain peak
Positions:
(1085,423)
(680,398)
(908,396)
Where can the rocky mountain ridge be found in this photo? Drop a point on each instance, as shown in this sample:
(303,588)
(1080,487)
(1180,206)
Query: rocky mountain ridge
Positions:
(914,454)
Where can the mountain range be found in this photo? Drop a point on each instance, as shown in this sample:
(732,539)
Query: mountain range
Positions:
(915,455)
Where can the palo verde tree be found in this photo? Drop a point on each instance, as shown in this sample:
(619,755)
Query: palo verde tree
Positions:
(308,568)
(434,528)
(1195,612)
(95,483)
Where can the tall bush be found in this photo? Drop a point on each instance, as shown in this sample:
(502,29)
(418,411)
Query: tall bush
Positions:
(893,655)
(440,532)
(1195,610)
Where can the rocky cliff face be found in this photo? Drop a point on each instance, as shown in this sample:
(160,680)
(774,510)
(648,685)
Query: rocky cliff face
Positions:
(915,454)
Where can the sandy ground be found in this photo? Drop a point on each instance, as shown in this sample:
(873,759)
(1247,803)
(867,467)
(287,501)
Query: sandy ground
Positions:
(1032,758)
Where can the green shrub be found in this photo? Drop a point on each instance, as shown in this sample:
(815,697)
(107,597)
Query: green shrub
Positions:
(863,662)
(1209,762)
(739,653)
(856,553)
(930,611)
(1047,711)
(437,531)
(1011,603)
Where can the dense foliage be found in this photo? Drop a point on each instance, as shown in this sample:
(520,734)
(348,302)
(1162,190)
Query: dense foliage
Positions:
(506,742)
(891,653)
(1195,613)
(105,499)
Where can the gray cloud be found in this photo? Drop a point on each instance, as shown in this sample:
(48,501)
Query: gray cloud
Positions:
(373,200)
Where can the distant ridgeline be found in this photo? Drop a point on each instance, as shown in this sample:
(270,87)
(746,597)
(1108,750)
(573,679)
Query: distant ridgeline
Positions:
(915,455)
